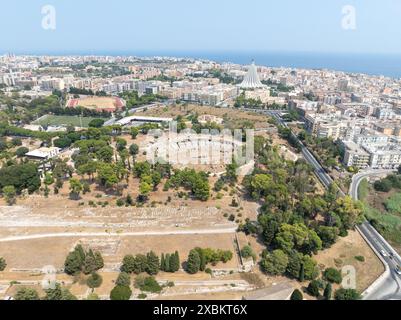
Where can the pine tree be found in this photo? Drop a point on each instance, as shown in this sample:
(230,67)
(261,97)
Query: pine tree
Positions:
(328,292)
(81,253)
(297,295)
(72,264)
(153,263)
(89,263)
(167,267)
(302,273)
(99,260)
(162,263)
(194,261)
(175,262)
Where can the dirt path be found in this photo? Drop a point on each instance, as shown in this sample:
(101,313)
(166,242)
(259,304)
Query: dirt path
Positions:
(105,234)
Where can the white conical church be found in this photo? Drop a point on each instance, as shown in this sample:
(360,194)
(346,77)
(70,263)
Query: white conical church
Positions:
(251,80)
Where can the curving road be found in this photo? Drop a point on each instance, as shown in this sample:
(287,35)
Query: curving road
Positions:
(387,286)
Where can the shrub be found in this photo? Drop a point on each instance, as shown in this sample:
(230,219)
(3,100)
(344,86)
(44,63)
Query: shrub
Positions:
(148,284)
(347,294)
(3,264)
(333,275)
(92,296)
(297,295)
(313,288)
(94,281)
(120,293)
(26,294)
(124,279)
(360,258)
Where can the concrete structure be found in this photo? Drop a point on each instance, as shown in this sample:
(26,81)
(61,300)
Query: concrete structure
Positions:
(43,153)
(251,80)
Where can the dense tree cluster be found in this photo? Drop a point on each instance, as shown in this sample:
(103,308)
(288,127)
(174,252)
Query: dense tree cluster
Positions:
(20,176)
(196,182)
(199,258)
(293,224)
(140,263)
(80,260)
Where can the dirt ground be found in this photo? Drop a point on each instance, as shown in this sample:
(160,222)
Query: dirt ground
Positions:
(234,116)
(343,253)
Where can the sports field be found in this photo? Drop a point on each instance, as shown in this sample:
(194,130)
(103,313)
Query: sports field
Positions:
(76,121)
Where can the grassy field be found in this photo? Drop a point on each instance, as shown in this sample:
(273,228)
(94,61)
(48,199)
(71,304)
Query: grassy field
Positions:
(64,121)
(384,211)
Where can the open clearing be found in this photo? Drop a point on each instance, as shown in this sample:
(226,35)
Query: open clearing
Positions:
(343,253)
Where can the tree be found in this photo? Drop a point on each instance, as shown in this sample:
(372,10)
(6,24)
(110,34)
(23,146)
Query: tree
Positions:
(347,294)
(3,264)
(21,151)
(26,294)
(62,143)
(175,262)
(94,280)
(73,263)
(275,263)
(76,188)
(153,263)
(58,293)
(194,262)
(123,279)
(313,288)
(333,275)
(311,270)
(96,123)
(144,189)
(302,273)
(328,291)
(120,293)
(90,265)
(99,262)
(9,193)
(296,295)
(134,132)
(247,252)
(21,176)
(137,264)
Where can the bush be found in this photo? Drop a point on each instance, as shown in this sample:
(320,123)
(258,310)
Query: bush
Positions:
(384,185)
(120,202)
(148,284)
(313,288)
(247,252)
(94,281)
(360,258)
(297,295)
(26,294)
(3,264)
(142,296)
(120,293)
(124,279)
(347,294)
(20,152)
(333,275)
(92,296)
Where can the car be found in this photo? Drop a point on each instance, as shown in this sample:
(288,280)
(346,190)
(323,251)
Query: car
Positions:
(383,253)
(398,270)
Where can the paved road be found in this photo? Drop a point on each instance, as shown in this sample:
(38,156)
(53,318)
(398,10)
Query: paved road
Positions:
(388,287)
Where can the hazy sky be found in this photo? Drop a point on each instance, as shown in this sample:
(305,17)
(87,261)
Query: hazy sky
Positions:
(95,26)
